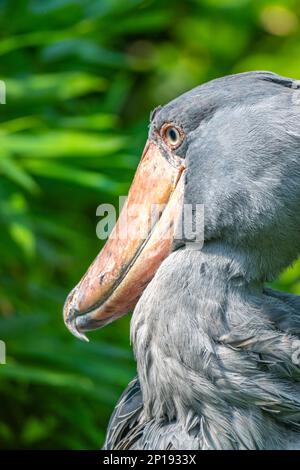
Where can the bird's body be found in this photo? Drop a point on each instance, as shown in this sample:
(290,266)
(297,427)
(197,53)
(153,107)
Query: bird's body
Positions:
(215,364)
(217,351)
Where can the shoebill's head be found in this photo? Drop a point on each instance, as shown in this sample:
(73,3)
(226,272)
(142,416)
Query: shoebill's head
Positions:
(232,145)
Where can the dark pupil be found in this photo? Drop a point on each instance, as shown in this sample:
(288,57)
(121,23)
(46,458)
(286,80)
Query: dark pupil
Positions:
(173,135)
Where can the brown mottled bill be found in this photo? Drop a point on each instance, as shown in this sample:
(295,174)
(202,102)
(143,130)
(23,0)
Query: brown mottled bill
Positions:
(140,241)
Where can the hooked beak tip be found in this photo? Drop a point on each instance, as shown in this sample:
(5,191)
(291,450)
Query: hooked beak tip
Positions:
(70,322)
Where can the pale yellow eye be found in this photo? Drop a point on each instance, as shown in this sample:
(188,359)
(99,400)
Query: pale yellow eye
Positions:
(172,135)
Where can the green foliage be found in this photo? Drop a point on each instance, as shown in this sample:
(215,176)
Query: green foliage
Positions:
(81,77)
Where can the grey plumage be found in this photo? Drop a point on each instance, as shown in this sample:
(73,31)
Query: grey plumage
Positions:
(214,347)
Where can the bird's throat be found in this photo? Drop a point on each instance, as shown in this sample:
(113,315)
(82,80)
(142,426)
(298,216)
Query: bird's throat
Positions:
(177,323)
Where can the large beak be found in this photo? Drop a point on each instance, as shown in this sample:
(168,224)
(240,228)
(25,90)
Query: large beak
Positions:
(140,241)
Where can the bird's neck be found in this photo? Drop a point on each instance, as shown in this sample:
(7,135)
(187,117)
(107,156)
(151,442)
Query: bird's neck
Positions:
(178,324)
(188,331)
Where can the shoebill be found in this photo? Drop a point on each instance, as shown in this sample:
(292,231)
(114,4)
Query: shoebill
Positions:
(217,351)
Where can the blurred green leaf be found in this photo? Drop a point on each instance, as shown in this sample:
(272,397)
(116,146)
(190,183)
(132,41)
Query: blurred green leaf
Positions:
(24,237)
(11,169)
(58,144)
(66,173)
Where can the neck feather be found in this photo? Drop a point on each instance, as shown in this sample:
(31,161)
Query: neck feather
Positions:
(205,337)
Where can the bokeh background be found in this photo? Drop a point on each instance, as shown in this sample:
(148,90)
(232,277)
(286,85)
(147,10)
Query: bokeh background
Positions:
(81,78)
